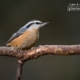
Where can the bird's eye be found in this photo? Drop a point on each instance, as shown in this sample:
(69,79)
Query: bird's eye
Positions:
(38,23)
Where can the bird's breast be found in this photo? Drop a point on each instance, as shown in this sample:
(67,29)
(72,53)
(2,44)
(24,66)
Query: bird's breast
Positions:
(30,38)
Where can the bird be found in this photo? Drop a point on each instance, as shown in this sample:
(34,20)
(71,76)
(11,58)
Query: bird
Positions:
(27,36)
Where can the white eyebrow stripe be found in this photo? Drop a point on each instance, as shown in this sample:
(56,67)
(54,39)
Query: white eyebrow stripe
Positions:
(31,22)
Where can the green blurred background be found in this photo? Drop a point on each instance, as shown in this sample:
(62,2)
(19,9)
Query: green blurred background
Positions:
(63,29)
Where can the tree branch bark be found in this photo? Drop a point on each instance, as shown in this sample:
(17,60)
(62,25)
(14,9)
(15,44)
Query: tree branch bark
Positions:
(40,51)
(24,55)
(19,70)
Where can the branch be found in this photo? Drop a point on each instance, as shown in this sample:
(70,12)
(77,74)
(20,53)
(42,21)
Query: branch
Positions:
(19,70)
(24,55)
(40,51)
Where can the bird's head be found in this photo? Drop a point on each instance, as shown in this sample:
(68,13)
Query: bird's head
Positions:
(35,24)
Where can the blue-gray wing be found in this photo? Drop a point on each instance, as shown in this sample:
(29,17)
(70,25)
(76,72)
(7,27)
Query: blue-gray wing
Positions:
(17,34)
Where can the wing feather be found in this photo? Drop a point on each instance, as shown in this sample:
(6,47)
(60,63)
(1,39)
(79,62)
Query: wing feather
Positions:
(17,34)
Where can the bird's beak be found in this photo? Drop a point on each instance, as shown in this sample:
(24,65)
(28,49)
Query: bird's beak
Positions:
(44,23)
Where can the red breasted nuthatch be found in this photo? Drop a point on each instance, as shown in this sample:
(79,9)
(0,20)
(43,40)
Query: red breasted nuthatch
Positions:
(26,36)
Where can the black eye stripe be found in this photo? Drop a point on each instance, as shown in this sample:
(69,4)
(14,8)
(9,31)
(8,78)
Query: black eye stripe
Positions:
(29,25)
(32,24)
(38,23)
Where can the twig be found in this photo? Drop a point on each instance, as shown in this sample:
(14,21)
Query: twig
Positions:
(19,70)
